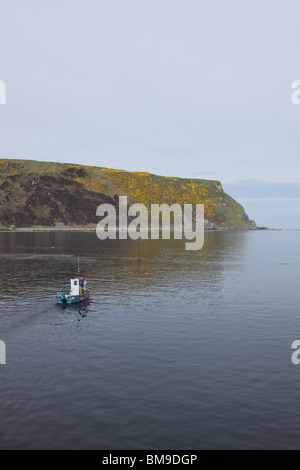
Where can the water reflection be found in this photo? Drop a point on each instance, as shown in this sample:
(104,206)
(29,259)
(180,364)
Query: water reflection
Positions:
(80,309)
(34,266)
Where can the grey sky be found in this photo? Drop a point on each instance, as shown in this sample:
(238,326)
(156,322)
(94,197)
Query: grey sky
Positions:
(196,88)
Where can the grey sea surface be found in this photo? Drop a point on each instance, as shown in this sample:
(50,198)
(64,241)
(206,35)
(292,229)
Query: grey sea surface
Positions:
(185,350)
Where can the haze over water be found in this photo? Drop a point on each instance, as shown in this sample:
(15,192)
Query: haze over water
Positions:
(186,350)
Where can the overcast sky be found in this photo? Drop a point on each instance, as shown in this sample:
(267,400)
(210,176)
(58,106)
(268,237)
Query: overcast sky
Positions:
(194,88)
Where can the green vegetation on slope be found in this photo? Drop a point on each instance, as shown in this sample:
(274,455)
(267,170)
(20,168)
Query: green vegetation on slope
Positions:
(45,194)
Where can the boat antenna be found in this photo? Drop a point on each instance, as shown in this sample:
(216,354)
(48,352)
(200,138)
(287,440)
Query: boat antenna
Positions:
(78,265)
(139,259)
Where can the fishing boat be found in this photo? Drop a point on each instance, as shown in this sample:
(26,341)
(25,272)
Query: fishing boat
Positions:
(79,292)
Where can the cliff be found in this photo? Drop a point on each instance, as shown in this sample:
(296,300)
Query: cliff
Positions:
(38,194)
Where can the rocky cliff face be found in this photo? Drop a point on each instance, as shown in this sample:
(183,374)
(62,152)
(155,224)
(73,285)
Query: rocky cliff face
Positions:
(48,199)
(36,194)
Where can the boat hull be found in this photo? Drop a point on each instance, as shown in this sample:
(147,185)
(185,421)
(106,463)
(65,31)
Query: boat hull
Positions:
(66,299)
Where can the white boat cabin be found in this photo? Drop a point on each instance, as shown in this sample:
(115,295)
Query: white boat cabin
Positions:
(78,286)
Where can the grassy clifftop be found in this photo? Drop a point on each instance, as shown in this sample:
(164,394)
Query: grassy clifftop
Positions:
(47,194)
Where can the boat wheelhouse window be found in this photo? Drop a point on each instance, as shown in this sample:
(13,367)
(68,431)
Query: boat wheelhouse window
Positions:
(75,283)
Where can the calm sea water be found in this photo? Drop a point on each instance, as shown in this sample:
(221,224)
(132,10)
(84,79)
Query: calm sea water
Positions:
(185,350)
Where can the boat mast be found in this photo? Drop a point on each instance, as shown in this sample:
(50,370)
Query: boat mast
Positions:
(139,259)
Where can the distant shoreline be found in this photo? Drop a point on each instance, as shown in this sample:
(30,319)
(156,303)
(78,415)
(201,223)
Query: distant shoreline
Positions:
(87,230)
